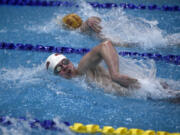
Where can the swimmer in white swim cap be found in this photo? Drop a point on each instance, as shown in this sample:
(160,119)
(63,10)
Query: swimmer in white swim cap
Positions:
(89,65)
(60,65)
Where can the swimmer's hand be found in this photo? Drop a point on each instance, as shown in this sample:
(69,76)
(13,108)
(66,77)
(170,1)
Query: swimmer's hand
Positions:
(135,85)
(128,82)
(92,23)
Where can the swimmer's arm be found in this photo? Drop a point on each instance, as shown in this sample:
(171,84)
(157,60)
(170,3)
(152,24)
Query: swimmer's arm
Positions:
(111,58)
(126,81)
(89,61)
(106,52)
(84,27)
(91,24)
(123,44)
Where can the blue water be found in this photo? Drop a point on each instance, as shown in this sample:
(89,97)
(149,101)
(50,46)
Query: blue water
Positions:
(26,89)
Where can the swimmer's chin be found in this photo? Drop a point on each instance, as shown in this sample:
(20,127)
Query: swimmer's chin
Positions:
(67,77)
(70,76)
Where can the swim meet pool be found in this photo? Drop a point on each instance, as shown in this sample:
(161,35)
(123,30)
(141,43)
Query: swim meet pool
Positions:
(26,90)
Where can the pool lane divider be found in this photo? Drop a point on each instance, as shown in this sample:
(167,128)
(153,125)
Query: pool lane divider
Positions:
(80,128)
(174,59)
(44,3)
(33,123)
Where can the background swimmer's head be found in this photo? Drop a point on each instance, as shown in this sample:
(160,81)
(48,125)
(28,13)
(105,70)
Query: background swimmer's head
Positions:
(72,21)
(60,65)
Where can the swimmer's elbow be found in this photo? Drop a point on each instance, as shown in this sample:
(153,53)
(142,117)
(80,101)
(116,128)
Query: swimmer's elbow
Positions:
(107,41)
(125,44)
(119,44)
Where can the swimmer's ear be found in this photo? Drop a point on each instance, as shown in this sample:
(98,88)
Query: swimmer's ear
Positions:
(47,65)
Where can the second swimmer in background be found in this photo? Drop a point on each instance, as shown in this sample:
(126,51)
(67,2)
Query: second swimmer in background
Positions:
(90,27)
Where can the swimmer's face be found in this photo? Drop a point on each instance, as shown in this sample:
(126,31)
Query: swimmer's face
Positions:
(65,69)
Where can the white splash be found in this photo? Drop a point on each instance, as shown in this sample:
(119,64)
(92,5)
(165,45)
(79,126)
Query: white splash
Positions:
(121,27)
(173,39)
(145,72)
(4,30)
(22,76)
(47,27)
(87,11)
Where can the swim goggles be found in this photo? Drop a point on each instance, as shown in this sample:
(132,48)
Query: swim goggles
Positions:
(59,67)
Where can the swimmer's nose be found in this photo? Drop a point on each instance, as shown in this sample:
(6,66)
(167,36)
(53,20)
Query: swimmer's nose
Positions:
(65,69)
(69,71)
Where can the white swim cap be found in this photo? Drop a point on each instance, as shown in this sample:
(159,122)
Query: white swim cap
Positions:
(53,60)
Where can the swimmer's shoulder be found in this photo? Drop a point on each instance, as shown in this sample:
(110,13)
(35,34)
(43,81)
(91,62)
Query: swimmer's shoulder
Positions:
(98,71)
(102,77)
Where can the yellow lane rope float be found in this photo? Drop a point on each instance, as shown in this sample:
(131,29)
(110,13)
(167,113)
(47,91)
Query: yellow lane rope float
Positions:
(108,130)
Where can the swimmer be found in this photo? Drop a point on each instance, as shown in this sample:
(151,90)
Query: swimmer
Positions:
(90,27)
(89,66)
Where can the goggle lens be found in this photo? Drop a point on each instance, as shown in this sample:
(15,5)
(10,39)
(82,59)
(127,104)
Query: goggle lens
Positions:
(65,62)
(58,69)
(59,66)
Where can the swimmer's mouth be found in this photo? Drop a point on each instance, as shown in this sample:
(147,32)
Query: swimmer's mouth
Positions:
(69,72)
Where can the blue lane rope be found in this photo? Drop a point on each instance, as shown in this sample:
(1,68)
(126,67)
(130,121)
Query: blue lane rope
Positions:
(93,4)
(35,123)
(174,59)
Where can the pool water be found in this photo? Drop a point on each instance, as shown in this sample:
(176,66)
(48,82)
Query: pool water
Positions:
(27,90)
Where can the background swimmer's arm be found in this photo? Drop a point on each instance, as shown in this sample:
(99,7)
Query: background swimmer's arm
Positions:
(125,44)
(84,27)
(91,24)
